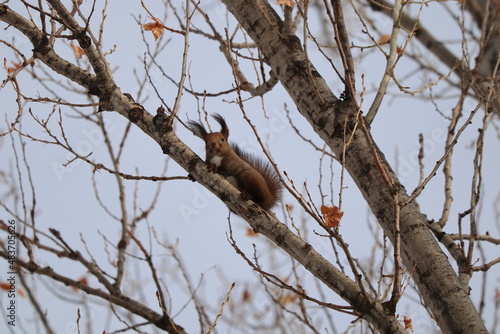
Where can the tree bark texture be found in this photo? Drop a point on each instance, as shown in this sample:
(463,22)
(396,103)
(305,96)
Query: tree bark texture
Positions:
(329,116)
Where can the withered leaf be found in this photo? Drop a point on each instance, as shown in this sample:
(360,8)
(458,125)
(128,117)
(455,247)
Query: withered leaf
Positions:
(332,215)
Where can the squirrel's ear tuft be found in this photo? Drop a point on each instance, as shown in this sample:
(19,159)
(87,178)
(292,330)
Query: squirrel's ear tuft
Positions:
(197,129)
(224,129)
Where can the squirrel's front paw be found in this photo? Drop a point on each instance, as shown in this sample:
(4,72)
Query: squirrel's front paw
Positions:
(212,168)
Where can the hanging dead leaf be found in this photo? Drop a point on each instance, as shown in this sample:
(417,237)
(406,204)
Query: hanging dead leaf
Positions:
(82,280)
(408,323)
(288,298)
(384,39)
(11,288)
(246,296)
(251,232)
(78,51)
(332,215)
(155,27)
(14,67)
(289,3)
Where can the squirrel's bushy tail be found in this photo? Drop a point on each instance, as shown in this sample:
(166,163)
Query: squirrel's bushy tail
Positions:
(268,173)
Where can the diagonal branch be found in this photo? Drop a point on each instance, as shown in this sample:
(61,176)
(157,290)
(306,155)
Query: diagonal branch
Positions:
(390,62)
(43,50)
(344,49)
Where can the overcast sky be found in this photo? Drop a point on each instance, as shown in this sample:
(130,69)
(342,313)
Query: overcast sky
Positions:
(189,215)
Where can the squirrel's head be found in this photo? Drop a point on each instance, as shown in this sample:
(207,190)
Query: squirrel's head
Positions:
(216,142)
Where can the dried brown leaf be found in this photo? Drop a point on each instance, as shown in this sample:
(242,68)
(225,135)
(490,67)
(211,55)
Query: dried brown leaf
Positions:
(78,51)
(251,233)
(155,27)
(332,215)
(408,323)
(14,67)
(289,3)
(384,39)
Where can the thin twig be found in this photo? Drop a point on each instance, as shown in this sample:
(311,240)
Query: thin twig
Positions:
(221,309)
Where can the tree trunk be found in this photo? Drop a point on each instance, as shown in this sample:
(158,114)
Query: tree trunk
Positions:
(434,275)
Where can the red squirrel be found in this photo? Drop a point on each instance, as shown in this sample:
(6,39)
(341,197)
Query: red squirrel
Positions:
(255,178)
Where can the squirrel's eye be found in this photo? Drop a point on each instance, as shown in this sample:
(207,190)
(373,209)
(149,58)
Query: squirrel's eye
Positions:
(222,139)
